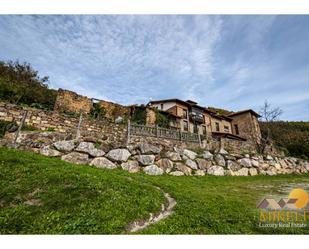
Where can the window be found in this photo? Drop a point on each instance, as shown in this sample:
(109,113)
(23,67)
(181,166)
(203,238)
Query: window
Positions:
(185,125)
(204,130)
(162,106)
(226,129)
(236,129)
(195,128)
(184,113)
(217,126)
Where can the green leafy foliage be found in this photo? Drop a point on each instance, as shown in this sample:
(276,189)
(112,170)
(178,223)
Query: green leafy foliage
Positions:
(139,116)
(21,84)
(97,112)
(3,125)
(162,120)
(293,137)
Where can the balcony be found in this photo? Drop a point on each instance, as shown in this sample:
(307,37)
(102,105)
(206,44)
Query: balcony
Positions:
(197,117)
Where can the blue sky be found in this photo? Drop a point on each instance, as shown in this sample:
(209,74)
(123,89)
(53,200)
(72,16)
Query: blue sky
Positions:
(232,62)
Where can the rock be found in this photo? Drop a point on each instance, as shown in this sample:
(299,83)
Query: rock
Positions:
(223,152)
(174,156)
(191,164)
(277,166)
(203,164)
(47,151)
(232,165)
(102,162)
(177,173)
(153,170)
(118,155)
(190,154)
(255,163)
(269,158)
(253,171)
(207,155)
(89,148)
(76,157)
(243,172)
(247,156)
(199,172)
(183,168)
(216,170)
(146,148)
(131,166)
(65,145)
(264,165)
(146,159)
(229,157)
(271,172)
(245,162)
(220,160)
(165,164)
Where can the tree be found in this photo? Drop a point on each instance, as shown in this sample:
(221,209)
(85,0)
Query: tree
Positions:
(268,115)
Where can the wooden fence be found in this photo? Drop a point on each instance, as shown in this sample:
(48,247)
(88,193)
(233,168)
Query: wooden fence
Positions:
(159,132)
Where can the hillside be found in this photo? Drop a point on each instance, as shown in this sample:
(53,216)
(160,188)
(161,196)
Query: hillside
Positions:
(292,136)
(40,195)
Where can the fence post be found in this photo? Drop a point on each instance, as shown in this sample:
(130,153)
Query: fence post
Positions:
(157,131)
(20,126)
(180,135)
(199,139)
(128,136)
(78,126)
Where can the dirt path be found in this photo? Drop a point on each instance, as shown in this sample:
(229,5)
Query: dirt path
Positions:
(166,211)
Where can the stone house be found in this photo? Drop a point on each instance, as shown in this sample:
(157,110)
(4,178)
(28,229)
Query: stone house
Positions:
(188,116)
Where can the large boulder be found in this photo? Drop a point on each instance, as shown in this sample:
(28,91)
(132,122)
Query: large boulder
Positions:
(207,155)
(131,166)
(216,170)
(203,164)
(219,159)
(102,162)
(153,170)
(76,157)
(174,156)
(48,151)
(245,162)
(176,173)
(199,172)
(255,163)
(118,155)
(243,172)
(165,164)
(223,152)
(269,158)
(147,148)
(253,171)
(183,168)
(232,165)
(89,148)
(146,159)
(190,154)
(190,163)
(65,145)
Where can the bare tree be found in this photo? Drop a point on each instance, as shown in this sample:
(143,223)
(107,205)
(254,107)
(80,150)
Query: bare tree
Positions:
(268,114)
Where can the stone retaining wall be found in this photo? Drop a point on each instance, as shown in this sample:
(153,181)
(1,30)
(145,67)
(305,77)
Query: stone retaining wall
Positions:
(158,159)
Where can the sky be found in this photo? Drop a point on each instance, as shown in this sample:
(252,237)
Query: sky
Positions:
(233,62)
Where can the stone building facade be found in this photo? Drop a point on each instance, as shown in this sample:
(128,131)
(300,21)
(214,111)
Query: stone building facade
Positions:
(188,116)
(68,101)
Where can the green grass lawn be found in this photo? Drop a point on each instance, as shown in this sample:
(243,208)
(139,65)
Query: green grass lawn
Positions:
(79,199)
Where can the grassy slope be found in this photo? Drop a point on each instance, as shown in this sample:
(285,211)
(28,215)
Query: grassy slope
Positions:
(82,199)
